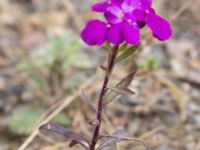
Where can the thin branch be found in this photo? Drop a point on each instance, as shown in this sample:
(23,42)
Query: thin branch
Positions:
(111,64)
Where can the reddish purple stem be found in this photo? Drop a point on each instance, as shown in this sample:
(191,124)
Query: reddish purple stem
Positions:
(111,64)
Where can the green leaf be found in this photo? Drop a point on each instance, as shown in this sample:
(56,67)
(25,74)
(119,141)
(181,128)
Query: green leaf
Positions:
(123,47)
(24,65)
(64,48)
(24,121)
(62,118)
(81,61)
(125,91)
(123,85)
(108,46)
(153,64)
(39,80)
(126,53)
(74,82)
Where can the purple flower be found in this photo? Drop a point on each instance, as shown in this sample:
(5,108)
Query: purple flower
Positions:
(102,6)
(160,27)
(94,33)
(124,20)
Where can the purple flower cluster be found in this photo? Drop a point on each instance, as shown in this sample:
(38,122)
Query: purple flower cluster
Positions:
(124,19)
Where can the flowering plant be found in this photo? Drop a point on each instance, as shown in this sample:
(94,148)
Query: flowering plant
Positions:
(123,21)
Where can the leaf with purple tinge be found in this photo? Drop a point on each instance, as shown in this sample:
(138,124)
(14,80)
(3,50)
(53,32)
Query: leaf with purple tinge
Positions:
(115,138)
(69,133)
(118,136)
(88,100)
(120,88)
(75,142)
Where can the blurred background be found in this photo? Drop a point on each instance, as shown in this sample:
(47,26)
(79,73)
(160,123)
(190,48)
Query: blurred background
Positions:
(44,64)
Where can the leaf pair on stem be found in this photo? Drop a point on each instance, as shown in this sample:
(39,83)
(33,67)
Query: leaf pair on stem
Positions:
(77,138)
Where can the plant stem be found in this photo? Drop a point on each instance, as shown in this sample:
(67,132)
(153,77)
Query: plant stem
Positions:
(109,69)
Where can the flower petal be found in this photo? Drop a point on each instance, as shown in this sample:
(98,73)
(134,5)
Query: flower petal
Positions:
(146,4)
(113,14)
(131,34)
(128,5)
(100,7)
(111,18)
(139,14)
(160,27)
(115,34)
(117,2)
(115,10)
(94,33)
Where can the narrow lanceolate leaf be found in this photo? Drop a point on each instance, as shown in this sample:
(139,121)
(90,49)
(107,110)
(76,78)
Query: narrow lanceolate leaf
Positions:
(88,100)
(123,47)
(115,138)
(69,133)
(123,91)
(126,53)
(120,88)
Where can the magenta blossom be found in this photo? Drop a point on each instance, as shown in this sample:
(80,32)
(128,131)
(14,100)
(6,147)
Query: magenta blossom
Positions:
(124,20)
(160,27)
(95,32)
